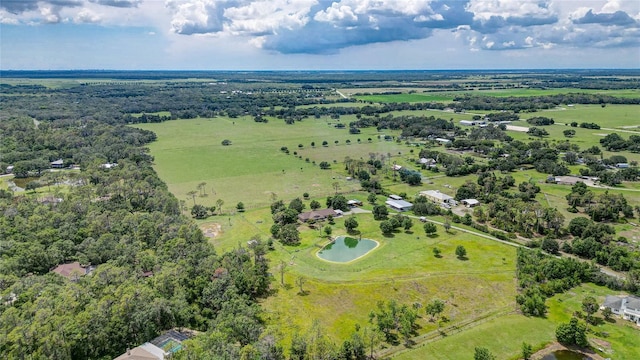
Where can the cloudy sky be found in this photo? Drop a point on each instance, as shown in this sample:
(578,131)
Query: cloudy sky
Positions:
(319,34)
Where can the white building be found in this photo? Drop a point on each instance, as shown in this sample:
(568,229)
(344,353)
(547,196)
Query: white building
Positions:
(626,306)
(439,198)
(399,205)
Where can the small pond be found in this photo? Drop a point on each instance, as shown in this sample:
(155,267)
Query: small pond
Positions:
(565,355)
(345,249)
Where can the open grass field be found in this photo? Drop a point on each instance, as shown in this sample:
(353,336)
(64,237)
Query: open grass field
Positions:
(253,168)
(403,268)
(503,335)
(447,96)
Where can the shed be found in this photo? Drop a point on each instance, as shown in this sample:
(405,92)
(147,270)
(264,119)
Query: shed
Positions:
(395,197)
(470,202)
(399,205)
(58,164)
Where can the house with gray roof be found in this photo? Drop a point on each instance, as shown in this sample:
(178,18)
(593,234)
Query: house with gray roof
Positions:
(628,307)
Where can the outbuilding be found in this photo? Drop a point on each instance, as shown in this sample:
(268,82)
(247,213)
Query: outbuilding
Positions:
(399,205)
(470,202)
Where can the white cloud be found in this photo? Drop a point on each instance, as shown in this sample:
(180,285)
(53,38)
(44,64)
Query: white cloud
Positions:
(87,16)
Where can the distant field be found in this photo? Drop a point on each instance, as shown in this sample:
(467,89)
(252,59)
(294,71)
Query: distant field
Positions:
(189,152)
(447,96)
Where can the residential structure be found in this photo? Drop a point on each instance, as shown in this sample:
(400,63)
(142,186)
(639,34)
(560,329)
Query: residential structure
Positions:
(439,198)
(316,215)
(628,307)
(159,348)
(73,271)
(567,180)
(58,164)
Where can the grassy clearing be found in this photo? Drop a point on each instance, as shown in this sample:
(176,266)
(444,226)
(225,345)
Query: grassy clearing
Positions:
(504,335)
(448,96)
(402,267)
(253,168)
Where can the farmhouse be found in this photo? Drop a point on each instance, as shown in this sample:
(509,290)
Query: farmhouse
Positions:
(316,215)
(472,122)
(567,180)
(58,164)
(470,202)
(160,348)
(396,167)
(399,205)
(622,165)
(354,203)
(626,306)
(439,198)
(73,271)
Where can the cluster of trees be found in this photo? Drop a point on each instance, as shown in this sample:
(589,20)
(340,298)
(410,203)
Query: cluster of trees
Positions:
(411,126)
(615,142)
(395,222)
(540,121)
(541,276)
(597,241)
(154,268)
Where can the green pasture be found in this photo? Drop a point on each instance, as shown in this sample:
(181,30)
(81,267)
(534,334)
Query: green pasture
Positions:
(610,116)
(448,96)
(408,98)
(403,268)
(503,335)
(254,169)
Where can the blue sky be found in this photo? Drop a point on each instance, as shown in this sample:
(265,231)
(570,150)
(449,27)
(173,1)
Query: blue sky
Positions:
(319,34)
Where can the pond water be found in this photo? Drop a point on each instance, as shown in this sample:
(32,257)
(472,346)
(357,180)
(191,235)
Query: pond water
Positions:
(346,248)
(565,355)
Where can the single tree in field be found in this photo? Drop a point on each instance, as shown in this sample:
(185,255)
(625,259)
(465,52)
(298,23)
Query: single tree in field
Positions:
(219,204)
(434,308)
(328,230)
(351,224)
(336,142)
(461,252)
(589,306)
(193,194)
(527,351)
(202,189)
(430,229)
(281,269)
(313,144)
(300,283)
(481,353)
(325,143)
(372,198)
(336,186)
(447,225)
(436,252)
(240,207)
